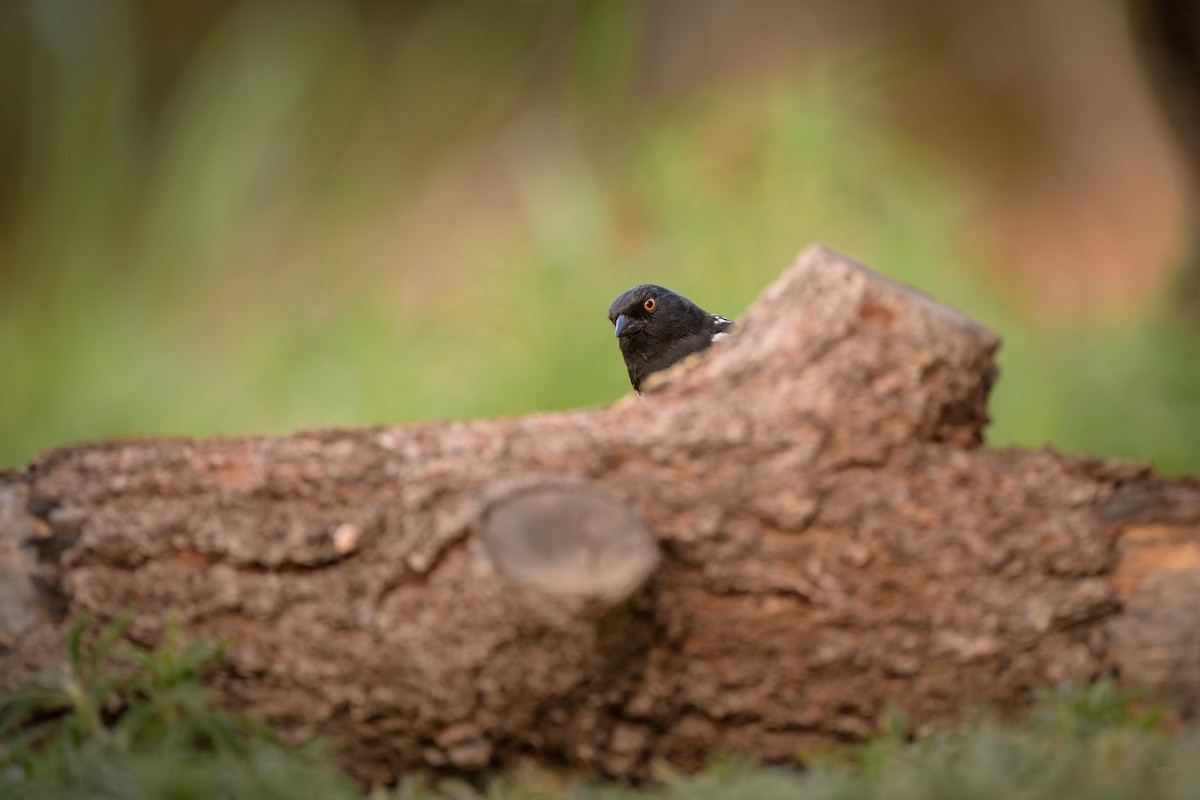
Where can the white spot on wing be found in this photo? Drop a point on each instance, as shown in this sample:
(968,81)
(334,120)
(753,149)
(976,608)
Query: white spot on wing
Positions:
(720,337)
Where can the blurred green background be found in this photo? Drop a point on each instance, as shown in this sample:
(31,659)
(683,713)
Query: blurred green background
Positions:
(254,216)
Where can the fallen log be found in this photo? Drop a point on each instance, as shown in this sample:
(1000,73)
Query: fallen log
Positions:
(756,557)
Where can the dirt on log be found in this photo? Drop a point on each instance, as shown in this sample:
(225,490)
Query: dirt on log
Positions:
(756,557)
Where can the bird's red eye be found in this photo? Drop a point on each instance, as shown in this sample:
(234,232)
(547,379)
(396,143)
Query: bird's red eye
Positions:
(649,304)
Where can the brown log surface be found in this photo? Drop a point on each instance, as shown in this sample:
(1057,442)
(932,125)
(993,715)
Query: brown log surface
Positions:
(756,557)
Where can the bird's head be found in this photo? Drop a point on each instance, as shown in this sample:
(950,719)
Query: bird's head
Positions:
(649,312)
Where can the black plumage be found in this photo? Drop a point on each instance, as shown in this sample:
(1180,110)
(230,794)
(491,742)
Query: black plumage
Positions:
(656,328)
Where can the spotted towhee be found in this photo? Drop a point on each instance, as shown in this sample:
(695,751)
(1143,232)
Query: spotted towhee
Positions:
(657,328)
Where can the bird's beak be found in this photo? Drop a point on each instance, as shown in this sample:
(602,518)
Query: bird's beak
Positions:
(623,322)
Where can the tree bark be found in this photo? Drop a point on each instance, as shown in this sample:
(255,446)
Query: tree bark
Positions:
(756,557)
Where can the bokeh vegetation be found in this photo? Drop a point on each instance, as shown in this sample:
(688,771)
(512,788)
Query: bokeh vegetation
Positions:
(302,227)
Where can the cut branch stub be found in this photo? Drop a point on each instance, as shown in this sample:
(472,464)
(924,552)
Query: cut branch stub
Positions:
(569,540)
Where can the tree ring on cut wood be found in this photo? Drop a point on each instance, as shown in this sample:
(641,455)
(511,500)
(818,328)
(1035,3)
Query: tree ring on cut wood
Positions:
(569,540)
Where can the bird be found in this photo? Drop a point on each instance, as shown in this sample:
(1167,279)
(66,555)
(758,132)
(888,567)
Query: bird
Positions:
(656,328)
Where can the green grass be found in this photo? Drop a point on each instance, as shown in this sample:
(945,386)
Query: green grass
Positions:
(256,252)
(123,721)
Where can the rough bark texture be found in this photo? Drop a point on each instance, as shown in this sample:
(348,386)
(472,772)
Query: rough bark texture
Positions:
(755,557)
